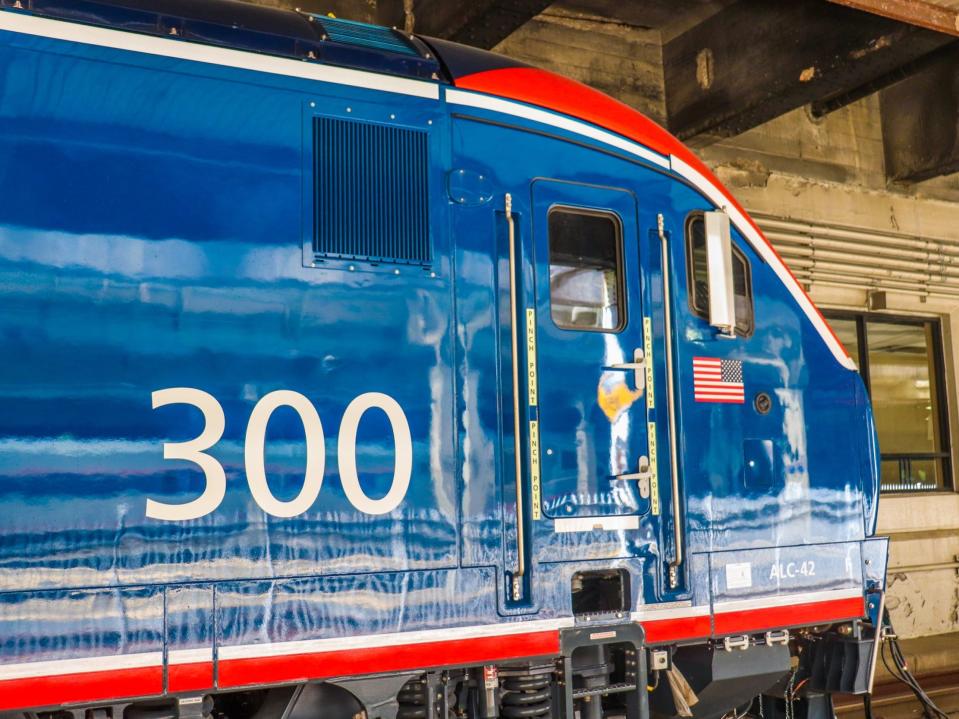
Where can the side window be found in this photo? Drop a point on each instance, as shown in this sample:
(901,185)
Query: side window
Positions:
(586,270)
(697,276)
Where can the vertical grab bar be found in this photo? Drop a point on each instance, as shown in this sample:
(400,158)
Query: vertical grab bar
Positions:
(671,409)
(517,588)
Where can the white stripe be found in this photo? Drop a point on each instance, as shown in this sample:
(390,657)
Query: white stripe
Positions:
(189,656)
(588,524)
(183,50)
(85,665)
(563,122)
(707,361)
(314,646)
(785,600)
(759,244)
(654,613)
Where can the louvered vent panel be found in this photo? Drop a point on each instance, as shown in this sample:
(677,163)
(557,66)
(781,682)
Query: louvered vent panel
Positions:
(363,35)
(372,199)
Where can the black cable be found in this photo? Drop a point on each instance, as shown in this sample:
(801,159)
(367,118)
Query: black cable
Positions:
(902,673)
(867,705)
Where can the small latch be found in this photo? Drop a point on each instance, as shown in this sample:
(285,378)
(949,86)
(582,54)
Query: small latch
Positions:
(642,476)
(741,643)
(638,365)
(780,636)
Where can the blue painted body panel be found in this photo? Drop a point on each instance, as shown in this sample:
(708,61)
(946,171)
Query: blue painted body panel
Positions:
(152,235)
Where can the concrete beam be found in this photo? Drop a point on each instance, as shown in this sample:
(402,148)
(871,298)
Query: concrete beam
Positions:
(757,59)
(482,23)
(920,122)
(496,21)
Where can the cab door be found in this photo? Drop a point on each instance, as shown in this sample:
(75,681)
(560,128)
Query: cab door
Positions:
(588,377)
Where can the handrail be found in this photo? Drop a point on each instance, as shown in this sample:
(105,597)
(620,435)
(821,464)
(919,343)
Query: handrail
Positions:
(517,440)
(671,410)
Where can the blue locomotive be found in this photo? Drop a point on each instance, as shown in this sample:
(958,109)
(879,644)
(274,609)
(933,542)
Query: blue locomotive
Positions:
(348,373)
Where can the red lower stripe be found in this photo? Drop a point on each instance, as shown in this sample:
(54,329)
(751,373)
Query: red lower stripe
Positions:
(80,688)
(374,660)
(795,615)
(189,677)
(670,630)
(129,683)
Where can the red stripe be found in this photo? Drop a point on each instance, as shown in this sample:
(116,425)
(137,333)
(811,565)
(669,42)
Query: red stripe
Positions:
(794,615)
(720,400)
(76,688)
(373,660)
(669,630)
(65,689)
(189,677)
(730,386)
(707,361)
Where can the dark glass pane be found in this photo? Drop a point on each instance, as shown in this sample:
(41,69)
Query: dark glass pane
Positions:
(585,272)
(845,330)
(699,271)
(742,294)
(911,475)
(902,377)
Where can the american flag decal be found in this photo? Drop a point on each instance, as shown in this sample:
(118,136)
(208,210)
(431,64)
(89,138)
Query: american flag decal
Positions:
(718,380)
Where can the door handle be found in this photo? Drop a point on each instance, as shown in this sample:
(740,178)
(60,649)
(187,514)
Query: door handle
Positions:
(642,477)
(638,366)
(519,574)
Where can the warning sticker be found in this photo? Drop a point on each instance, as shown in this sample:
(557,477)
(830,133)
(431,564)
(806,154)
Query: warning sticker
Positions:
(648,359)
(653,473)
(534,468)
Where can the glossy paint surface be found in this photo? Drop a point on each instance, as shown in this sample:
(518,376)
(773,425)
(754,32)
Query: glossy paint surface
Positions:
(155,233)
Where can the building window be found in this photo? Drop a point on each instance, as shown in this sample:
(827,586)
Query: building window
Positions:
(586,270)
(900,360)
(697,274)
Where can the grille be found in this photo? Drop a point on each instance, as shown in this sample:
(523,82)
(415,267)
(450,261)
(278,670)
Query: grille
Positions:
(371,192)
(360,34)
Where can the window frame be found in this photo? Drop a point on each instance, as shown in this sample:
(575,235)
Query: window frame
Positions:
(620,265)
(703,312)
(936,351)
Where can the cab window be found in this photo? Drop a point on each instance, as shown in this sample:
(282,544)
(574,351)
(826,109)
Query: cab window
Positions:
(698,277)
(586,270)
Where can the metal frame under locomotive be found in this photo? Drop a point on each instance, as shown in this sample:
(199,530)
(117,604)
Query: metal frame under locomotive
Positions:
(722,602)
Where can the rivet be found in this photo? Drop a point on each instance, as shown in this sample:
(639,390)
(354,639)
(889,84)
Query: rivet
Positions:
(429,122)
(349,109)
(549,451)
(396,272)
(352,268)
(433,275)
(392,116)
(312,104)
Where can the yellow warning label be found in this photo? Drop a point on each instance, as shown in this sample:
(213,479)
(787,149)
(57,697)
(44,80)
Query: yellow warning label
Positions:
(648,359)
(534,467)
(653,473)
(531,354)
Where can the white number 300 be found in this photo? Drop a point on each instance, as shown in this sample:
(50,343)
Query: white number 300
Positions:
(214,423)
